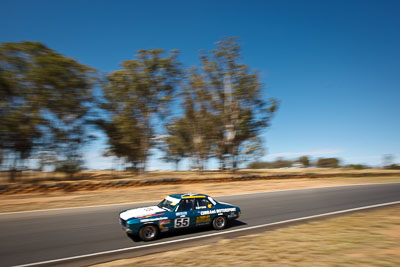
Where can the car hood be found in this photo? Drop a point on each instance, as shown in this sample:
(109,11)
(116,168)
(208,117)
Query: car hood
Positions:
(141,212)
(226,204)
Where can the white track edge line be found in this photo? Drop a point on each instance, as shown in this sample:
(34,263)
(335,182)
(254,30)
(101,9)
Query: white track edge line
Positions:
(131,203)
(208,235)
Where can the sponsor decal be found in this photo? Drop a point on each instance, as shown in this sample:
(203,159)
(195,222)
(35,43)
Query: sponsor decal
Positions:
(164,222)
(182,222)
(181,213)
(200,207)
(154,219)
(232,214)
(203,219)
(219,211)
(161,225)
(151,215)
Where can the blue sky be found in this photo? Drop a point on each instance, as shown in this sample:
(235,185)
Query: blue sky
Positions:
(334,65)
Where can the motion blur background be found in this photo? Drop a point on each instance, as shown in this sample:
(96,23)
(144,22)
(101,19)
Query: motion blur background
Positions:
(311,78)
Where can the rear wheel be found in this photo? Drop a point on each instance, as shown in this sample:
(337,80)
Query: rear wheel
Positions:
(219,222)
(148,233)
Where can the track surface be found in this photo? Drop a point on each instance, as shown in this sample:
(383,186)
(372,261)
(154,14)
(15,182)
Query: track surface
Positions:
(46,235)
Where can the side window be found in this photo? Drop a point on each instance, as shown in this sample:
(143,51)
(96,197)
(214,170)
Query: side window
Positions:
(185,205)
(203,203)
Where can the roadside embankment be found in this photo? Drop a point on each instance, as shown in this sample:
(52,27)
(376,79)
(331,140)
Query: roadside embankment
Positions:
(91,181)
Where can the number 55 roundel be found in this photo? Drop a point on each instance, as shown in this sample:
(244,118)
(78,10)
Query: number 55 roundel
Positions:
(182,222)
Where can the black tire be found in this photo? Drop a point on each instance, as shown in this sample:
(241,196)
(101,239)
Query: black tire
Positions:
(219,222)
(148,232)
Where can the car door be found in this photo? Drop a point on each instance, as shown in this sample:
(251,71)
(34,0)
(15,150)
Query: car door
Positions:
(184,214)
(203,211)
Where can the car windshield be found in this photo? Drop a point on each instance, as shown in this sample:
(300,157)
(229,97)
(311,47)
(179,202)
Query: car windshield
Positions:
(168,203)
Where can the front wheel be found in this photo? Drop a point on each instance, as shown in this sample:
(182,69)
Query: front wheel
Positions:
(219,222)
(148,233)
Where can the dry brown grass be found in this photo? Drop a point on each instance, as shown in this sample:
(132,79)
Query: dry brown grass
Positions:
(95,181)
(34,201)
(106,175)
(361,239)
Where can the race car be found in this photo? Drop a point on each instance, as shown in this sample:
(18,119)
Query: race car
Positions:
(175,212)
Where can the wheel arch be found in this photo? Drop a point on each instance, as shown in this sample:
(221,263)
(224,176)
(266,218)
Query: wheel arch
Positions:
(149,223)
(221,215)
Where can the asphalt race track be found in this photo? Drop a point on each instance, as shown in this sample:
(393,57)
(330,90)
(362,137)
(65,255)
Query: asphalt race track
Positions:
(31,237)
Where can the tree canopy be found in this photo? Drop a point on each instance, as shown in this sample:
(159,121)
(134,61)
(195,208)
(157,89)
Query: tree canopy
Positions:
(136,99)
(224,107)
(44,100)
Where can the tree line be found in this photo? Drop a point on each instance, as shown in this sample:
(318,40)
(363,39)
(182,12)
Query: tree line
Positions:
(52,105)
(306,162)
(302,162)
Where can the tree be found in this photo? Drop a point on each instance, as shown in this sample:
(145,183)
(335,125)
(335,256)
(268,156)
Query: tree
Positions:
(258,165)
(328,163)
(177,144)
(70,166)
(305,161)
(224,111)
(124,138)
(19,126)
(44,102)
(251,150)
(357,166)
(236,99)
(137,96)
(392,167)
(192,135)
(387,160)
(281,163)
(277,163)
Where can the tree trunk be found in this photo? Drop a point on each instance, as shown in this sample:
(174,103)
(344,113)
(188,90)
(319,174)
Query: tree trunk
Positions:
(13,171)
(222,163)
(13,174)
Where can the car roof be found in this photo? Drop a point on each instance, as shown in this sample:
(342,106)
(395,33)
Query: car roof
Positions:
(188,195)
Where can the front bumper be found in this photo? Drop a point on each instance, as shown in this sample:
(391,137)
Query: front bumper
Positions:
(129,228)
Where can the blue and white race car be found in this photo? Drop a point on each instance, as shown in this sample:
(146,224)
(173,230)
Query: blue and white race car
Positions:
(180,211)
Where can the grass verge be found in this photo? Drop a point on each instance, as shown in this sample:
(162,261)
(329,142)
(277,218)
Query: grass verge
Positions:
(361,239)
